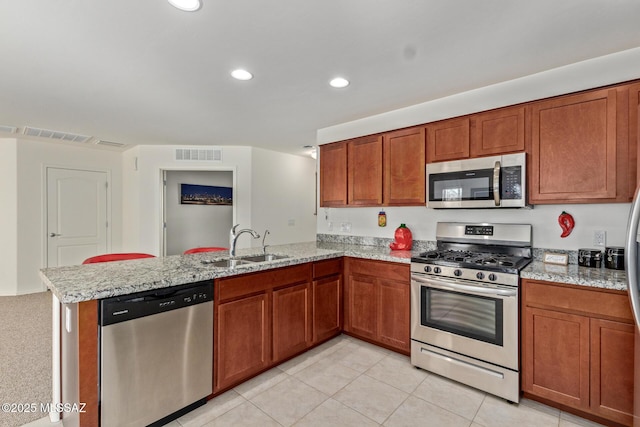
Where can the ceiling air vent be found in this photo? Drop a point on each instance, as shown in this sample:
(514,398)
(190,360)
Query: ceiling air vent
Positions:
(110,143)
(52,134)
(8,129)
(199,154)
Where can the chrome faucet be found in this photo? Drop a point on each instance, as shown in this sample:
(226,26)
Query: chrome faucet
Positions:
(264,247)
(233,237)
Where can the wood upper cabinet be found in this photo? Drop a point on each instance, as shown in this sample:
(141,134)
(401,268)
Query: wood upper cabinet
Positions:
(577,155)
(364,171)
(634,132)
(498,132)
(448,140)
(333,174)
(377,302)
(404,167)
(578,348)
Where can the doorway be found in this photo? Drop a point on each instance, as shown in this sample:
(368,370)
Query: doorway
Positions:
(77,215)
(191,224)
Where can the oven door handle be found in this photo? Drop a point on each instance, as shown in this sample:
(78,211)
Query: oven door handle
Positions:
(496,183)
(454,286)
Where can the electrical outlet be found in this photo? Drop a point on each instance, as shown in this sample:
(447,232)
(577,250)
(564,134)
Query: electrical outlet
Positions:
(291,222)
(345,227)
(599,238)
(329,226)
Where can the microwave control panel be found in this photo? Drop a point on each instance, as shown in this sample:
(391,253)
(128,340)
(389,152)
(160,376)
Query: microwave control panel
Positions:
(511,183)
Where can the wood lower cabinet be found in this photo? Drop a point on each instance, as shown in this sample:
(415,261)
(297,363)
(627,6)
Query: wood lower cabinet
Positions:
(377,302)
(578,349)
(327,299)
(243,345)
(260,320)
(291,320)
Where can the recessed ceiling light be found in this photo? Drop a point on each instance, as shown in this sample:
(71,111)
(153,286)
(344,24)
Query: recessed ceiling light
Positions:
(241,74)
(339,82)
(186,5)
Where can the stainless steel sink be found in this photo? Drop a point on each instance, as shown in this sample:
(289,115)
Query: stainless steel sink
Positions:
(227,263)
(265,257)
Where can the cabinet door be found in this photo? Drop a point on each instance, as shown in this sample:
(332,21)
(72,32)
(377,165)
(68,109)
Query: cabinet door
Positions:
(361,306)
(404,167)
(556,356)
(333,174)
(393,314)
(573,143)
(291,320)
(327,308)
(448,140)
(612,352)
(365,171)
(498,132)
(634,132)
(243,344)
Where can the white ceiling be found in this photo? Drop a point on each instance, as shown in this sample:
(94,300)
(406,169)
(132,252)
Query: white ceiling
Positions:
(143,72)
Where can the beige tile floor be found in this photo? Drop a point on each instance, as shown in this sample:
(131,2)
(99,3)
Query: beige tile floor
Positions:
(347,382)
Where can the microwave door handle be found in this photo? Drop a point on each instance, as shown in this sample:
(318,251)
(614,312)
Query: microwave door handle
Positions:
(496,183)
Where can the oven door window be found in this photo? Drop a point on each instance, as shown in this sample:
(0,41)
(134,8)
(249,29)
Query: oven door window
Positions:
(464,185)
(472,316)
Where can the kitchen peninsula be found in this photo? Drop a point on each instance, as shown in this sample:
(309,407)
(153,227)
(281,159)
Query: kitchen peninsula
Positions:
(309,294)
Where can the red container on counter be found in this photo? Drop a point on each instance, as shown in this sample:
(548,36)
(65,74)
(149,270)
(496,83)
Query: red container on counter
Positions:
(403,239)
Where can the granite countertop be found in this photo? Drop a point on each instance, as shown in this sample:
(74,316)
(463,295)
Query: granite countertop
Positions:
(103,280)
(573,274)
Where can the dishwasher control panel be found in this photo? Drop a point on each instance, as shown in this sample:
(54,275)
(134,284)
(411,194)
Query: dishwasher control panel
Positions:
(133,306)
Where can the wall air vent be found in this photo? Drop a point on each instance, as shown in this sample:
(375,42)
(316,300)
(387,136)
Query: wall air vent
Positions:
(199,154)
(110,143)
(8,129)
(52,134)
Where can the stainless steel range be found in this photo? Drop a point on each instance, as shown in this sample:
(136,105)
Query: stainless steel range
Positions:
(464,305)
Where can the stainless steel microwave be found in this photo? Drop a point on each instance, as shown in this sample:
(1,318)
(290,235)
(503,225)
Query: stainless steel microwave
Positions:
(485,182)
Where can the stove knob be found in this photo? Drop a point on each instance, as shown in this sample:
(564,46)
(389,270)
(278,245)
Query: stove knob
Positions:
(480,275)
(427,269)
(493,277)
(457,272)
(437,270)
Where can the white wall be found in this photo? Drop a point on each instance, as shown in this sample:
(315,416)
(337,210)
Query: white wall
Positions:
(9,216)
(283,197)
(190,226)
(29,160)
(612,218)
(270,188)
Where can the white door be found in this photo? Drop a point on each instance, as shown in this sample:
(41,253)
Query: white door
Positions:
(77,215)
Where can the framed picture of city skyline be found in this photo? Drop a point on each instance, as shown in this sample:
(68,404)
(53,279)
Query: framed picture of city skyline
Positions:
(192,194)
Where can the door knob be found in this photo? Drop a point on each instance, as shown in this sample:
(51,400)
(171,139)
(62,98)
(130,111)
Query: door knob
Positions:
(54,235)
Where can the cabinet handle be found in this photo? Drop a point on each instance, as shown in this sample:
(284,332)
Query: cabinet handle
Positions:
(54,235)
(496,183)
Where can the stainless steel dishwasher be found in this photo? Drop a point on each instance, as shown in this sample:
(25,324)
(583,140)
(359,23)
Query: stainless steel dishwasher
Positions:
(156,354)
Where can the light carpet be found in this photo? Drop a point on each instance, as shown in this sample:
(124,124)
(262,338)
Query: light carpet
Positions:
(25,356)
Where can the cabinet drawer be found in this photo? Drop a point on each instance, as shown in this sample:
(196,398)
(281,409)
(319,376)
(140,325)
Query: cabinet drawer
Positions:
(327,267)
(379,269)
(251,283)
(589,301)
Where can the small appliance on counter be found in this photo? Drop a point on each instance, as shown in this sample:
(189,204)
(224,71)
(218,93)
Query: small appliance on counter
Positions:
(590,258)
(614,257)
